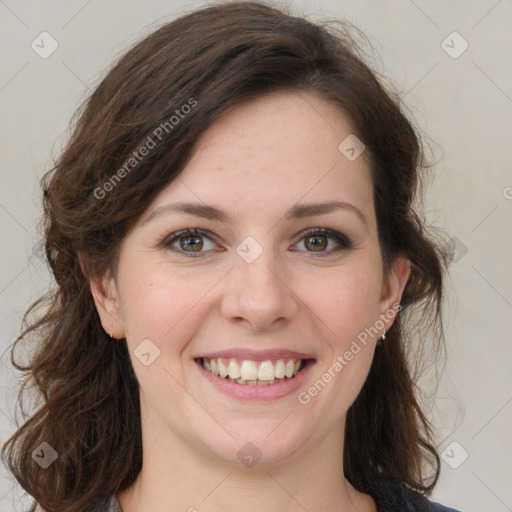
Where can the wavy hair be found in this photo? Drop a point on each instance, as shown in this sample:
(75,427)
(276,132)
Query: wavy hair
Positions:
(219,56)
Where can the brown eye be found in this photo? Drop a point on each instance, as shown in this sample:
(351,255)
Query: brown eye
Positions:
(195,243)
(324,242)
(316,242)
(190,242)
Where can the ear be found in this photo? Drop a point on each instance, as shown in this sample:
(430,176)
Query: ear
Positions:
(105,294)
(393,287)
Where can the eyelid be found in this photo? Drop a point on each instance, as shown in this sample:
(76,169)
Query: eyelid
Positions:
(340,237)
(189,231)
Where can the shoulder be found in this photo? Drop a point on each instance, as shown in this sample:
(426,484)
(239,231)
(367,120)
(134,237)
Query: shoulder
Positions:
(436,507)
(391,495)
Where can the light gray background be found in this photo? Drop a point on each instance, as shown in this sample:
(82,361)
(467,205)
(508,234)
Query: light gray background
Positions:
(465,106)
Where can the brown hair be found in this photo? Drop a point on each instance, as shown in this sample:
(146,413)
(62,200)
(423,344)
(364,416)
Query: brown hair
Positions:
(212,60)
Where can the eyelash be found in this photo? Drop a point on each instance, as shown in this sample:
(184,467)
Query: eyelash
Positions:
(340,239)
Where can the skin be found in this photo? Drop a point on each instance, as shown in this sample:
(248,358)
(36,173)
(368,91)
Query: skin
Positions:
(255,163)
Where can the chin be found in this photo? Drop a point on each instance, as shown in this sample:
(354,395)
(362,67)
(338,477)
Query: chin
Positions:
(257,444)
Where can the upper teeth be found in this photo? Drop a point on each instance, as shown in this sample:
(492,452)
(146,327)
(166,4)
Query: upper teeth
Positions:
(252,370)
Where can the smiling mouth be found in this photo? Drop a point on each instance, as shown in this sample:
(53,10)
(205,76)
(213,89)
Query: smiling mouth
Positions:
(254,373)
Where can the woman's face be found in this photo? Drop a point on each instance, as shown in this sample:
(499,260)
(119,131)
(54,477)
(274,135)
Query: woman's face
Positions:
(282,271)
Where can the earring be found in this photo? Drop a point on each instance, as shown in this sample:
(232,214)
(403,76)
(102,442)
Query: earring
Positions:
(111,327)
(383,336)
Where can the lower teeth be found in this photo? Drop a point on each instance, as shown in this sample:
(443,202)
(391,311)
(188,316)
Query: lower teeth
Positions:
(257,382)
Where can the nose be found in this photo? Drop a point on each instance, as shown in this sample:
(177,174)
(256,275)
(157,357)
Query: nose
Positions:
(259,294)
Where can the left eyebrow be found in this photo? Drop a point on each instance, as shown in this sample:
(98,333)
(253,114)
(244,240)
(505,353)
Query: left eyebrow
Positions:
(298,211)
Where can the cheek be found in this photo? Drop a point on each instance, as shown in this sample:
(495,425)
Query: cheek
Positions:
(348,302)
(348,308)
(158,299)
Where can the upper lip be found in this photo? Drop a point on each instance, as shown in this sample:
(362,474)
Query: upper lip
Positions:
(254,355)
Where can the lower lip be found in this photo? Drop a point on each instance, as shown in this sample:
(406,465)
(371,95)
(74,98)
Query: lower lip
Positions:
(252,393)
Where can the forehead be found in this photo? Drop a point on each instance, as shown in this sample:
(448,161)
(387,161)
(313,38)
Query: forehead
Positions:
(279,149)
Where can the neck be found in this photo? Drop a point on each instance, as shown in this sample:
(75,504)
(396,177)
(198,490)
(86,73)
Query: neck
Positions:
(178,476)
